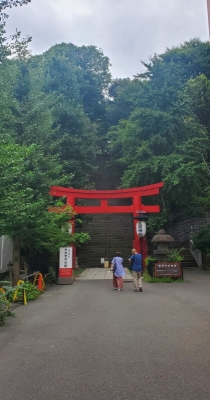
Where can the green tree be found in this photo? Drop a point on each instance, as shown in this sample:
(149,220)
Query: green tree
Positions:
(75,79)
(26,177)
(167,73)
(164,133)
(155,146)
(79,78)
(12,3)
(197,96)
(124,97)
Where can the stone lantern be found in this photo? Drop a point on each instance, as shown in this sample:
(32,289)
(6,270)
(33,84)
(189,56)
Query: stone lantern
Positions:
(162,242)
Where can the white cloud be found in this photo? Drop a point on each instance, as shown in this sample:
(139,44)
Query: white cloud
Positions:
(126,30)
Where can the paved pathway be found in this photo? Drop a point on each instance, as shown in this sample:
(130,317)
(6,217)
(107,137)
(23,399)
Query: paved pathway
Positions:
(102,273)
(89,342)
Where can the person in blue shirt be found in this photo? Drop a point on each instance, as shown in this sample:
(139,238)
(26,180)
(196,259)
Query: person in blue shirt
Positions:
(118,271)
(136,260)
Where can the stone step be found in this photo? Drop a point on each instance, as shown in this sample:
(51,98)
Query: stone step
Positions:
(109,233)
(188,261)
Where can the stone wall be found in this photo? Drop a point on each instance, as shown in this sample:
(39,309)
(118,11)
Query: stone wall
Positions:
(182,231)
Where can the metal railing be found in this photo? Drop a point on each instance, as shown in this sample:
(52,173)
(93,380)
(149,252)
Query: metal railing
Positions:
(196,254)
(48,279)
(29,278)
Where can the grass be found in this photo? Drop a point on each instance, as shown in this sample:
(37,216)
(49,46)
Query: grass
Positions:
(78,272)
(147,278)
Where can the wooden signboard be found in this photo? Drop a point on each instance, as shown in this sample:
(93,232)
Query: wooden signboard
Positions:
(168,270)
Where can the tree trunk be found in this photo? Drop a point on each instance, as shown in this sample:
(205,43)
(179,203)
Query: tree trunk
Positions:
(16,261)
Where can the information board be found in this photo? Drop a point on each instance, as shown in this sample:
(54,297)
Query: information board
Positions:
(168,270)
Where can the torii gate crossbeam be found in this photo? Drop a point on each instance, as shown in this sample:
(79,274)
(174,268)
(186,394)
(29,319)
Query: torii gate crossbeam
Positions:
(103,196)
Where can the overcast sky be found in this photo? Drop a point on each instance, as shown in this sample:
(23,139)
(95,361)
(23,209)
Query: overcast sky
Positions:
(126,30)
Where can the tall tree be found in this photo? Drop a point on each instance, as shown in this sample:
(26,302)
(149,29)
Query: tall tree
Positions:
(124,97)
(153,146)
(81,76)
(12,3)
(165,132)
(76,78)
(26,177)
(167,73)
(4,4)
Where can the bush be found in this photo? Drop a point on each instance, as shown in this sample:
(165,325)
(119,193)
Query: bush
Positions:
(32,293)
(149,279)
(149,260)
(202,239)
(174,256)
(5,312)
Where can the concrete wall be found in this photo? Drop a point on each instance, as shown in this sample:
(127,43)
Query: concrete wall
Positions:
(6,249)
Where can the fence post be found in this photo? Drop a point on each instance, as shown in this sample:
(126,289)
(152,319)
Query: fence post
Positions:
(24,298)
(25,267)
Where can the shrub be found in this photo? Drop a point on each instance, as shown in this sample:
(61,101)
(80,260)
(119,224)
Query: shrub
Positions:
(4,302)
(202,239)
(175,256)
(149,260)
(149,279)
(32,293)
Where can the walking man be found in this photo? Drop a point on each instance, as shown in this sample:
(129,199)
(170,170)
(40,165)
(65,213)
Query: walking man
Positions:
(136,263)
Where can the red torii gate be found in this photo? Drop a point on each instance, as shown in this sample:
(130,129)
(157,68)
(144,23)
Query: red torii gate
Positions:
(103,196)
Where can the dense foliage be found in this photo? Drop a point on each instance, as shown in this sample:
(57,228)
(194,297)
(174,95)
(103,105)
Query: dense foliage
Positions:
(12,3)
(6,292)
(165,133)
(31,292)
(201,239)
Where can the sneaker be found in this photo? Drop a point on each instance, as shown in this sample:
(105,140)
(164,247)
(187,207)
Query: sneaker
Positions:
(115,288)
(140,289)
(119,290)
(135,290)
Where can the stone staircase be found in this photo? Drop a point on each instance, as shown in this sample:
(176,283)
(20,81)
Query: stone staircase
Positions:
(109,233)
(189,261)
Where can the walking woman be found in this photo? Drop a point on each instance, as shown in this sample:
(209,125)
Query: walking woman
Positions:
(118,271)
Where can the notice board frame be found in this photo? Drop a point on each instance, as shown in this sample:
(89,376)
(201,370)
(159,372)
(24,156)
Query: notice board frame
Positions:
(168,266)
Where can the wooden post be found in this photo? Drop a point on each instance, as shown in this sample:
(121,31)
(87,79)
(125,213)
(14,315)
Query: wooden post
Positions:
(136,207)
(10,271)
(25,267)
(16,262)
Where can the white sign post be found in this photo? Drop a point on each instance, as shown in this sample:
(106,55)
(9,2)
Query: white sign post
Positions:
(65,266)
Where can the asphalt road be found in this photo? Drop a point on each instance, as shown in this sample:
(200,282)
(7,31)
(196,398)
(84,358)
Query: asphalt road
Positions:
(90,342)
